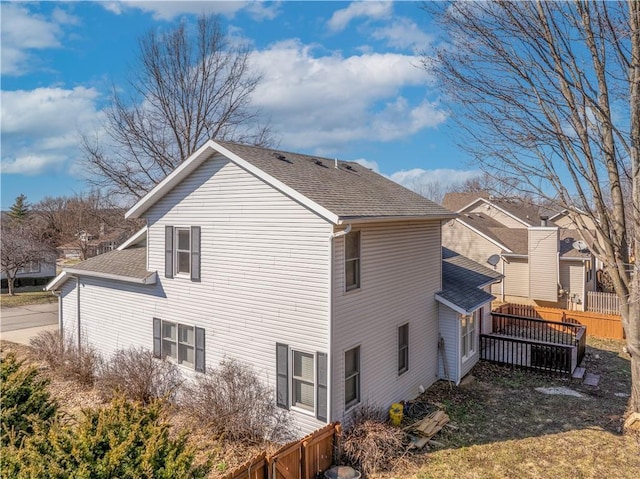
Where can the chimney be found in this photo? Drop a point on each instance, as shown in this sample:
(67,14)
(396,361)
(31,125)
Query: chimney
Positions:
(543,220)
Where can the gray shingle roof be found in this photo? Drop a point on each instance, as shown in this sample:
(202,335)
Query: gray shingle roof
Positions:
(457,201)
(349,191)
(461,280)
(128,263)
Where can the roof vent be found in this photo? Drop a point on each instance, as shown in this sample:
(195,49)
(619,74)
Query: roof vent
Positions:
(281,157)
(349,167)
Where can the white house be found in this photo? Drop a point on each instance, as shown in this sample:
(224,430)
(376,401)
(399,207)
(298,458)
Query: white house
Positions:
(322,274)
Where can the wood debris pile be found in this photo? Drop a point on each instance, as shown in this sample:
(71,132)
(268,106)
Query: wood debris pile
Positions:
(427,427)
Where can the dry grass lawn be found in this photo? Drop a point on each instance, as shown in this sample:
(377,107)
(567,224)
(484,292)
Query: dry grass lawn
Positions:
(503,428)
(26,298)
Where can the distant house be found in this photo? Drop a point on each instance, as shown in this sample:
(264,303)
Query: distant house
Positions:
(33,274)
(541,255)
(323,275)
(89,245)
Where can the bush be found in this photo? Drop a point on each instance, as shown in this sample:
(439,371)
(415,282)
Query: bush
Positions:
(64,357)
(138,376)
(24,400)
(235,404)
(370,444)
(124,440)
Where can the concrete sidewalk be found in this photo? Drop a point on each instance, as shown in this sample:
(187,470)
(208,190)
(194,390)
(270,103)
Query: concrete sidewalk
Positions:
(20,324)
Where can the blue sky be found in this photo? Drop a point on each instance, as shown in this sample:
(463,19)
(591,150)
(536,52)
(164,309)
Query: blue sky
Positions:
(340,79)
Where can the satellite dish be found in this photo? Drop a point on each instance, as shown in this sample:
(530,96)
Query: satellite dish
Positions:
(493,260)
(579,245)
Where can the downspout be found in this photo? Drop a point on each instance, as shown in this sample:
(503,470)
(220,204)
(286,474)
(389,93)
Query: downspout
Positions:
(330,325)
(503,279)
(58,295)
(78,311)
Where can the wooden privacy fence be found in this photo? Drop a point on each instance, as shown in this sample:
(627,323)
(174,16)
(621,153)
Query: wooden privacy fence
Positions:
(606,303)
(303,459)
(598,325)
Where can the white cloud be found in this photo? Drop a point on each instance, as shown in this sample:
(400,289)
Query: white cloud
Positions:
(23,31)
(40,127)
(327,101)
(168,10)
(372,165)
(442,176)
(403,33)
(341,18)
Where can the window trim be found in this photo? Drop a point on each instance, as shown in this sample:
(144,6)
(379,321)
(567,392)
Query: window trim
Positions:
(465,332)
(177,343)
(354,375)
(176,250)
(357,261)
(403,348)
(293,378)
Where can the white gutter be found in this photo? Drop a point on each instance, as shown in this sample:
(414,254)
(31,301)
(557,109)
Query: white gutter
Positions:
(78,313)
(379,219)
(151,278)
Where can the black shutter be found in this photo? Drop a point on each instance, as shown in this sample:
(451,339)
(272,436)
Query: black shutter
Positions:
(195,253)
(282,375)
(321,409)
(157,338)
(168,251)
(200,363)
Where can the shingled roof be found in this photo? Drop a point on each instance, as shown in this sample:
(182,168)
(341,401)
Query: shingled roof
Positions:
(346,192)
(462,279)
(129,265)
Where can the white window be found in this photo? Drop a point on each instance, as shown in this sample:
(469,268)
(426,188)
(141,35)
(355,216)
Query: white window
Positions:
(183,251)
(303,380)
(468,331)
(403,348)
(178,343)
(352,377)
(352,261)
(30,267)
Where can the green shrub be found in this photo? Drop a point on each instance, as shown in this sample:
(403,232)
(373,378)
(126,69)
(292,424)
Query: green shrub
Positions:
(24,400)
(124,440)
(137,375)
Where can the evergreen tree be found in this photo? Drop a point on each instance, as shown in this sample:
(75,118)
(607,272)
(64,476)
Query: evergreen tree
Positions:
(20,208)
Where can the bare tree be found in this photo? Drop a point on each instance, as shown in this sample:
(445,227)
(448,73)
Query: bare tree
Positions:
(548,93)
(182,92)
(20,246)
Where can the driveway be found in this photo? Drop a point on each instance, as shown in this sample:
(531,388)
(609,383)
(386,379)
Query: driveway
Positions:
(20,324)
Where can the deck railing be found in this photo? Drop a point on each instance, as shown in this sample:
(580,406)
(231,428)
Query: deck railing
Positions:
(546,346)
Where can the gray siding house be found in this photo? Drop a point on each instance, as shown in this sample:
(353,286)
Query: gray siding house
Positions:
(536,255)
(322,274)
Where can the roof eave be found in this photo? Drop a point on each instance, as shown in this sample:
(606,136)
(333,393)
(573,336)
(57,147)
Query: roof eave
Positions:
(150,278)
(56,282)
(460,309)
(375,219)
(133,239)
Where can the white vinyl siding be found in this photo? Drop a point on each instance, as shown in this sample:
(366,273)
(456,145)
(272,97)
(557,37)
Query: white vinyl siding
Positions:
(543,264)
(400,273)
(500,216)
(572,279)
(449,357)
(264,276)
(516,280)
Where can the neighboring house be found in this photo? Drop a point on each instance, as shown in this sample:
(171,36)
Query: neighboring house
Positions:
(542,261)
(92,245)
(35,273)
(323,275)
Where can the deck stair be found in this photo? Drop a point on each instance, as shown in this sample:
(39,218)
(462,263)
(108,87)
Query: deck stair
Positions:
(578,373)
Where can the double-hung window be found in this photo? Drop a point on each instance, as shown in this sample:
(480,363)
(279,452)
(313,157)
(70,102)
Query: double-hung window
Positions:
(468,333)
(403,348)
(180,343)
(303,379)
(352,377)
(352,261)
(182,252)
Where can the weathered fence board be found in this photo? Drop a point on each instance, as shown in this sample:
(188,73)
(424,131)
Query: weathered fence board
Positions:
(303,459)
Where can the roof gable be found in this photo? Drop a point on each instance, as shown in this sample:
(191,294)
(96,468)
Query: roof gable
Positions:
(338,191)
